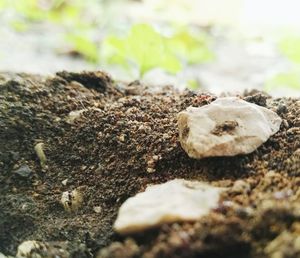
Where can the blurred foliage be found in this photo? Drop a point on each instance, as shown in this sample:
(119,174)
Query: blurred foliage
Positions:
(282,80)
(193,84)
(146,49)
(85,46)
(290,47)
(63,12)
(192,48)
(143,48)
(75,17)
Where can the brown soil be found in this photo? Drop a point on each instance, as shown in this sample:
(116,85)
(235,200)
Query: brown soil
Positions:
(126,139)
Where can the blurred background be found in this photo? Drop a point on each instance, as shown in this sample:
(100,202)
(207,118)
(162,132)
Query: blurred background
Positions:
(211,45)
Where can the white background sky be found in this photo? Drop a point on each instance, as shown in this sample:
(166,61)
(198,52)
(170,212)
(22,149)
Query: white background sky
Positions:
(255,13)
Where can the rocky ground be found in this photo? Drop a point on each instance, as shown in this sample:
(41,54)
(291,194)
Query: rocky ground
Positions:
(126,138)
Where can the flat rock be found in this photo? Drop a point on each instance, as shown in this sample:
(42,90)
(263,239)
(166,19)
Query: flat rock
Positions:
(176,200)
(24,171)
(228,126)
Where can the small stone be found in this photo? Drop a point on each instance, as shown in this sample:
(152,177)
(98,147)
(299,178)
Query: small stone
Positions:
(150,170)
(122,138)
(28,248)
(240,186)
(286,244)
(37,249)
(97,209)
(228,126)
(64,182)
(76,114)
(23,171)
(72,200)
(176,200)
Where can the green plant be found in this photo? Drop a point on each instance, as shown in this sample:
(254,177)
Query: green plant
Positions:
(146,49)
(192,49)
(84,46)
(143,47)
(289,79)
(193,84)
(290,48)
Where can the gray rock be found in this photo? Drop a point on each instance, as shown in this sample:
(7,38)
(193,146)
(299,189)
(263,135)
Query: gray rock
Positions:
(23,171)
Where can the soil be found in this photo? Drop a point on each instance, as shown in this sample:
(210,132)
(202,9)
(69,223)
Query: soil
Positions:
(126,138)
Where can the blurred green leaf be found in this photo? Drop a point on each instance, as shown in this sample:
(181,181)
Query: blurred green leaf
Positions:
(85,47)
(19,26)
(29,9)
(282,80)
(290,47)
(193,84)
(144,47)
(192,48)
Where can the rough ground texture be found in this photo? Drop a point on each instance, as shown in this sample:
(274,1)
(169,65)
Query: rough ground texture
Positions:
(108,155)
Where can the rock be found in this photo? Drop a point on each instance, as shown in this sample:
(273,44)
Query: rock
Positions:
(240,186)
(37,249)
(64,182)
(97,209)
(227,127)
(176,200)
(28,249)
(76,114)
(284,245)
(72,200)
(23,171)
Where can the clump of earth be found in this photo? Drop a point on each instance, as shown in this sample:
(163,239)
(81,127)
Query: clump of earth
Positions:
(106,141)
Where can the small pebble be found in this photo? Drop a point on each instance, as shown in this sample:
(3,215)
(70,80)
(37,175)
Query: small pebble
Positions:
(64,182)
(72,200)
(28,248)
(97,209)
(23,171)
(240,186)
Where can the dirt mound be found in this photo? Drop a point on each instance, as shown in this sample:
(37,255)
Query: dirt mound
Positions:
(125,138)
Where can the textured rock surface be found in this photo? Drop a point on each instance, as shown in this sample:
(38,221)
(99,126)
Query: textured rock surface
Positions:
(28,248)
(227,127)
(176,200)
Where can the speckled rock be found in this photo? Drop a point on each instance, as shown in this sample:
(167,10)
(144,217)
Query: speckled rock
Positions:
(29,249)
(227,127)
(176,200)
(37,249)
(71,200)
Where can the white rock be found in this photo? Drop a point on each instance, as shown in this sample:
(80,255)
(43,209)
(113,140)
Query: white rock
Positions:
(74,115)
(97,209)
(27,248)
(64,182)
(227,127)
(72,200)
(176,200)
